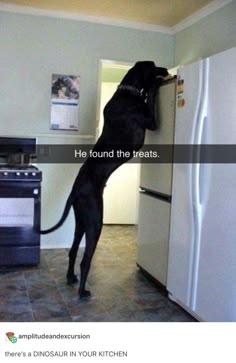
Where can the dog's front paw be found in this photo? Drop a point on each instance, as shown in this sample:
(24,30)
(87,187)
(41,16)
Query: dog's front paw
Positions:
(72,279)
(84,294)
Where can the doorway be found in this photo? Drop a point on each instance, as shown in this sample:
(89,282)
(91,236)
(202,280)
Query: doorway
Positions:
(121,193)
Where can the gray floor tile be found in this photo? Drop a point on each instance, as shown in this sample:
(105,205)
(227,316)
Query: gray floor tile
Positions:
(120,292)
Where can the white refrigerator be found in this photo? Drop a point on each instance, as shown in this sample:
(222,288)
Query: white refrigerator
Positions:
(202,248)
(155,192)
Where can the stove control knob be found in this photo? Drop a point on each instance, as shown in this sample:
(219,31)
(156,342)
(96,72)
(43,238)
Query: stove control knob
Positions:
(5,173)
(33,174)
(17,173)
(26,174)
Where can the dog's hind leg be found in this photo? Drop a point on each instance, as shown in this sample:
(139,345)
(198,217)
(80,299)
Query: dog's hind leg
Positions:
(79,232)
(91,243)
(93,231)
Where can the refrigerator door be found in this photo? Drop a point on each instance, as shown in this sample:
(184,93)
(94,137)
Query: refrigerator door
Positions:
(215,295)
(184,225)
(153,236)
(157,176)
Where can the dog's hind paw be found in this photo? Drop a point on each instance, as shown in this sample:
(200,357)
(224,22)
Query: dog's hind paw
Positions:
(84,294)
(72,279)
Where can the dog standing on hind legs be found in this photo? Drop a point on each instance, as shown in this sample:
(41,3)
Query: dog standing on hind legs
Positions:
(127,115)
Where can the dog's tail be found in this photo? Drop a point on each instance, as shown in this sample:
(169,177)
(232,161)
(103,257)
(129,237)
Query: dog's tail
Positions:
(63,217)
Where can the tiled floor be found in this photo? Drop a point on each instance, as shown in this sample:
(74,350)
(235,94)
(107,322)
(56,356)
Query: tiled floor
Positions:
(120,292)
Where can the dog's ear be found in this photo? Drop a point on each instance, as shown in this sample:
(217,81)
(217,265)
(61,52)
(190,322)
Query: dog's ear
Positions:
(144,73)
(139,73)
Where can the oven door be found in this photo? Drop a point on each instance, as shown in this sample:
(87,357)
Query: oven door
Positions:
(19,223)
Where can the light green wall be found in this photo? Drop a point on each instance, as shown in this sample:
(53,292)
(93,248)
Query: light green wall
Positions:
(210,35)
(32,48)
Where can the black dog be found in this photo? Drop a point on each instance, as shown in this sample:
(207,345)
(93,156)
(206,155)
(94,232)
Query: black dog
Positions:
(126,117)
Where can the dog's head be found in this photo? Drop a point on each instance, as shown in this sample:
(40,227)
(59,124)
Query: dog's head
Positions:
(148,71)
(144,74)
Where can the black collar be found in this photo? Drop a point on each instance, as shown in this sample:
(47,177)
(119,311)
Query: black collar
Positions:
(135,91)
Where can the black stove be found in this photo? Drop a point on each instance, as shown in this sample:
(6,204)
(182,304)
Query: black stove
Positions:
(20,203)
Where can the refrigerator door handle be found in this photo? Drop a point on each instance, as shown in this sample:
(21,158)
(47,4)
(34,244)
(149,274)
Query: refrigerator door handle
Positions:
(197,138)
(199,130)
(197,186)
(202,168)
(197,169)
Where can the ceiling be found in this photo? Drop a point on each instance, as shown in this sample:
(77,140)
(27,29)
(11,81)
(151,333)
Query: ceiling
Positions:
(166,13)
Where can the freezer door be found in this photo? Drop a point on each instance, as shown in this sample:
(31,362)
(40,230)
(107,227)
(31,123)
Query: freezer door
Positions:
(183,225)
(215,296)
(155,176)
(153,236)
